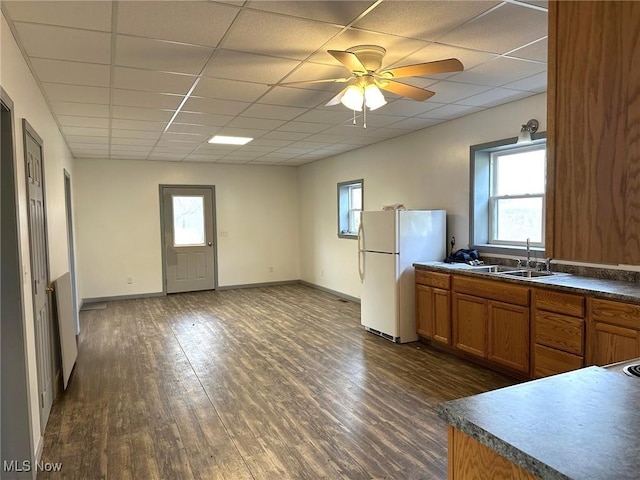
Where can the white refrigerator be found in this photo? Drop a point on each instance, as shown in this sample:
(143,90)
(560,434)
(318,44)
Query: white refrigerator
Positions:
(389,242)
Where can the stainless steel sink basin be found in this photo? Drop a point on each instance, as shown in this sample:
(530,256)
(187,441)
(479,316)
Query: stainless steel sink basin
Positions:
(528,273)
(494,268)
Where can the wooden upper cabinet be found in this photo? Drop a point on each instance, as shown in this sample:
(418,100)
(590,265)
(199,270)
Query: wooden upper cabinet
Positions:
(593,132)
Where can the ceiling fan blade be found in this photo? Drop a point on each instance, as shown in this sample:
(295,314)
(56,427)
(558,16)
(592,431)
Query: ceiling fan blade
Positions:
(428,68)
(415,93)
(349,60)
(326,80)
(336,100)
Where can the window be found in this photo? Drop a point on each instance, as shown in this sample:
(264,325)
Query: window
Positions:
(188,220)
(508,194)
(350,201)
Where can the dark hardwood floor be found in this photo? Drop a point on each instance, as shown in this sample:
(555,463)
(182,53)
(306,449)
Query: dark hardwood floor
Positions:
(260,383)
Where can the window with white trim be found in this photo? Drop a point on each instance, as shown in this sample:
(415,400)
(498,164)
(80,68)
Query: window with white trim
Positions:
(508,184)
(350,201)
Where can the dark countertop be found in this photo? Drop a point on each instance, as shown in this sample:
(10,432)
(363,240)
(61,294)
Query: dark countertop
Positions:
(603,288)
(583,424)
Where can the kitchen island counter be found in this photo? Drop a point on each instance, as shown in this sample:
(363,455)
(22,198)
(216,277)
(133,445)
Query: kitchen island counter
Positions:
(583,424)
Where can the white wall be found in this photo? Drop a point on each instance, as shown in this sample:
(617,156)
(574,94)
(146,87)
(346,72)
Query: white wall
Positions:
(118,223)
(17,81)
(425,169)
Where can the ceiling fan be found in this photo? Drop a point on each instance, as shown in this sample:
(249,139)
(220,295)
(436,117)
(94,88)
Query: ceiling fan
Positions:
(367,77)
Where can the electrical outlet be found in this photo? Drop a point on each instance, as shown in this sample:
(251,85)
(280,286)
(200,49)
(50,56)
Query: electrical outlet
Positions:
(129,280)
(270,269)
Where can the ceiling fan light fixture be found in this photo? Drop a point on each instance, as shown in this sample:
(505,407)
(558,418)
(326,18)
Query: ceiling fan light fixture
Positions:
(373,97)
(353,98)
(227,140)
(527,130)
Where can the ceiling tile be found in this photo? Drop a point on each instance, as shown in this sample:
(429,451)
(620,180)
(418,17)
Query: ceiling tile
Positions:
(188,128)
(535,83)
(304,127)
(73,121)
(150,81)
(182,137)
(409,108)
(211,105)
(229,89)
(415,123)
(499,72)
(80,109)
(122,124)
(160,55)
(115,148)
(133,113)
(286,37)
(535,51)
(438,51)
(136,98)
(115,133)
(294,96)
(449,112)
(166,157)
(336,114)
(203,158)
(62,43)
(274,112)
(86,139)
(60,71)
(285,135)
(85,131)
(94,15)
(342,13)
(203,118)
(420,19)
(451,92)
(248,66)
(511,26)
(59,92)
(254,123)
(198,23)
(241,132)
(494,97)
(133,141)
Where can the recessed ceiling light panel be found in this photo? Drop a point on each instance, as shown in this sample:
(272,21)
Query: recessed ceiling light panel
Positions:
(230,140)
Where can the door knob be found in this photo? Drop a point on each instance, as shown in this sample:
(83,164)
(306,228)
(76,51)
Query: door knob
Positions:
(209,243)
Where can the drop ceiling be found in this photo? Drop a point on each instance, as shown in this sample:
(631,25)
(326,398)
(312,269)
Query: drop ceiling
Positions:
(137,80)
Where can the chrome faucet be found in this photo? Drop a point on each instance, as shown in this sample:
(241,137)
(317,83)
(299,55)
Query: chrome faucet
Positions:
(528,253)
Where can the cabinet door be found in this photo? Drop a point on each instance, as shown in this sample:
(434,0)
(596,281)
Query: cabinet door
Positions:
(424,311)
(441,315)
(470,323)
(509,335)
(611,344)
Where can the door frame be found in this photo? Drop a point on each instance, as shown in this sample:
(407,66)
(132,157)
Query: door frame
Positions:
(162,236)
(15,391)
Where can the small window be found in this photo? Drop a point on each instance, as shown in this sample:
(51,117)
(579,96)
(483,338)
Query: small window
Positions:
(516,204)
(508,184)
(350,201)
(188,221)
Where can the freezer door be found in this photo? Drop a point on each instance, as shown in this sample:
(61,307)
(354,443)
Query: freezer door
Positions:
(379,232)
(379,301)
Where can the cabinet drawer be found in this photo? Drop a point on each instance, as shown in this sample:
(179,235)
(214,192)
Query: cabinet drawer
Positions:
(617,313)
(549,361)
(433,279)
(493,290)
(558,302)
(559,331)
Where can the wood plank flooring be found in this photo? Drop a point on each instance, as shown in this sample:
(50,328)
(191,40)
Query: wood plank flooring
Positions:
(261,383)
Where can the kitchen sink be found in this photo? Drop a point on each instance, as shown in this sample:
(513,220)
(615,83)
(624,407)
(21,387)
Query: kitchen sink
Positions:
(494,268)
(528,273)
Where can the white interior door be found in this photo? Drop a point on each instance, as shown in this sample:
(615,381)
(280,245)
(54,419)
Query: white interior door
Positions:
(39,270)
(379,305)
(188,238)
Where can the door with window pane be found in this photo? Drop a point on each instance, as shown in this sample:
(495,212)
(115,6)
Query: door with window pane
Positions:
(188,238)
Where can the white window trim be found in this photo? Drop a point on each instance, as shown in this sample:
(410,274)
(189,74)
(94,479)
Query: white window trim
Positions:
(346,214)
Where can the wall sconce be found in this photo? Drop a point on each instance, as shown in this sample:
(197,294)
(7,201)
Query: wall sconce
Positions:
(527,130)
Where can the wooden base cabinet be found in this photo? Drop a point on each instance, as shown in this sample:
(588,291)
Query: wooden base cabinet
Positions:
(491,320)
(614,331)
(433,306)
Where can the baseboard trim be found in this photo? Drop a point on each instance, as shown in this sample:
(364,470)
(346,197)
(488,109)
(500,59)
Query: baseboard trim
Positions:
(121,297)
(255,285)
(333,292)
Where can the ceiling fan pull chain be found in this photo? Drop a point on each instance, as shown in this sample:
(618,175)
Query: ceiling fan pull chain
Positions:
(364,110)
(354,117)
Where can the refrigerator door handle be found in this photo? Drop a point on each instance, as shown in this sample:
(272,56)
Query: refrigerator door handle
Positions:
(361,252)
